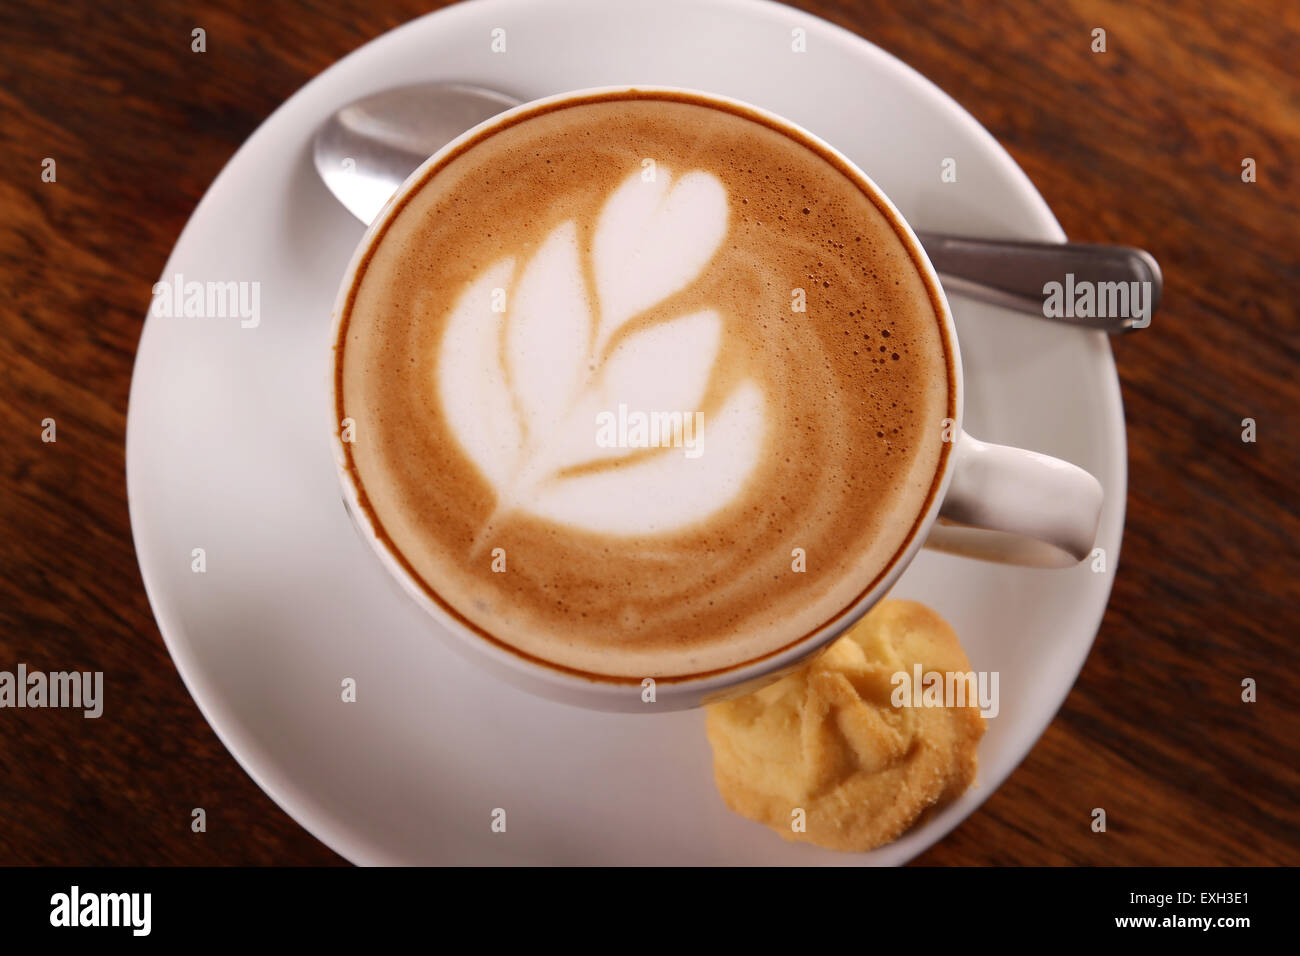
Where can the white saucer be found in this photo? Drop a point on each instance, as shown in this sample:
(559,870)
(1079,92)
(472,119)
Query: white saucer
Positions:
(227,450)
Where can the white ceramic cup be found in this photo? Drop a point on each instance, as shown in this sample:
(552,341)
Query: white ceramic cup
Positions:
(993,501)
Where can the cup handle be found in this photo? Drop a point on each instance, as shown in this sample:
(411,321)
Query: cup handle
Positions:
(1017,507)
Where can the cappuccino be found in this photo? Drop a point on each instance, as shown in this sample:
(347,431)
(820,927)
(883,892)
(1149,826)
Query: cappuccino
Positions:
(643,385)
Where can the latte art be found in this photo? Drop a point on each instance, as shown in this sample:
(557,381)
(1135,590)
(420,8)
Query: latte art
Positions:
(643,386)
(531,357)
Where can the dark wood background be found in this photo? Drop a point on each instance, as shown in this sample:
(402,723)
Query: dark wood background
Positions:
(1143,144)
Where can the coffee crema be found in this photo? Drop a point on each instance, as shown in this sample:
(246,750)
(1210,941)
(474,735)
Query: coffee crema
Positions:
(643,385)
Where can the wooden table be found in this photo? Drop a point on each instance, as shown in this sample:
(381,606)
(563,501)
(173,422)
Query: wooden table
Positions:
(1143,144)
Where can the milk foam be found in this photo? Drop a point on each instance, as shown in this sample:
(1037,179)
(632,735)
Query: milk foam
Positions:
(525,367)
(540,297)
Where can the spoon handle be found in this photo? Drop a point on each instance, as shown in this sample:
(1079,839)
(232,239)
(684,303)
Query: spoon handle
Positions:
(1017,274)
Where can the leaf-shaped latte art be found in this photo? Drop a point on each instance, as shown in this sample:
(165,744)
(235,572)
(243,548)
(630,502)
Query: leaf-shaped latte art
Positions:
(476,397)
(667,491)
(524,388)
(548,333)
(634,376)
(652,239)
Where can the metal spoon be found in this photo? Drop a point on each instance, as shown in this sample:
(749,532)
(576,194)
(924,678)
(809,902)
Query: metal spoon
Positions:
(368,148)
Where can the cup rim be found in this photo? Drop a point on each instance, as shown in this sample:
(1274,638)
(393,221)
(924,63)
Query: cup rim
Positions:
(599,690)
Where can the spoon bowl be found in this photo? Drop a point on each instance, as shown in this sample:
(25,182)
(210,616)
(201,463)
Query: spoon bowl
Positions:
(368,148)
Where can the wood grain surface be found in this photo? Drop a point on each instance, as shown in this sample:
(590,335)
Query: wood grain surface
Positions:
(1143,144)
